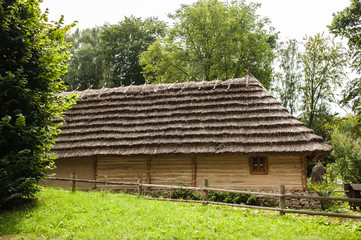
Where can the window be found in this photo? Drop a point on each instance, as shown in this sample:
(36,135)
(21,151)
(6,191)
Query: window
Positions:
(258,165)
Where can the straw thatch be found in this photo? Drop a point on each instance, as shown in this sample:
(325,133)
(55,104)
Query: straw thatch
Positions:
(183,118)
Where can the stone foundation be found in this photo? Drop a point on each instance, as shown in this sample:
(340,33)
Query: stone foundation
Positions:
(304,203)
(300,203)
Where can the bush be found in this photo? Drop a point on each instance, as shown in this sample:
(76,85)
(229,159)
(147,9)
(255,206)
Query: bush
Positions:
(186,194)
(326,189)
(225,197)
(32,61)
(240,198)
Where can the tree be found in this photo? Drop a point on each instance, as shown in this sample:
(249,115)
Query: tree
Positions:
(123,43)
(86,66)
(288,79)
(209,38)
(347,151)
(352,96)
(323,62)
(32,60)
(346,23)
(110,54)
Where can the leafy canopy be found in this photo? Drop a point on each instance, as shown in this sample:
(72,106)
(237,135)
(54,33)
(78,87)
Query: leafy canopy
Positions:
(124,42)
(288,78)
(32,61)
(110,54)
(347,151)
(323,62)
(346,24)
(86,67)
(211,38)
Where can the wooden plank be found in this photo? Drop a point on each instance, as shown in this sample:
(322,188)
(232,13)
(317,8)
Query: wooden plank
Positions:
(304,172)
(95,171)
(172,170)
(121,169)
(149,167)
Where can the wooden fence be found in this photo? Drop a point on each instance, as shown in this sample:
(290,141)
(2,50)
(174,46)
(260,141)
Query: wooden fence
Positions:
(282,195)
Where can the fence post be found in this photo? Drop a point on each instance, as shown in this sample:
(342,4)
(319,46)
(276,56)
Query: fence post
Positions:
(140,189)
(73,188)
(282,201)
(205,192)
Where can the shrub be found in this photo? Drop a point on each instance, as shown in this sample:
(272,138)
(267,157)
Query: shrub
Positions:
(240,198)
(32,62)
(326,189)
(186,194)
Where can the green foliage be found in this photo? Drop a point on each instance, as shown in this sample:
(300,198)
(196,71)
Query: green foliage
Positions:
(288,79)
(32,61)
(239,198)
(59,214)
(122,45)
(110,54)
(346,23)
(86,66)
(211,38)
(327,188)
(347,151)
(352,99)
(226,197)
(185,194)
(323,63)
(352,95)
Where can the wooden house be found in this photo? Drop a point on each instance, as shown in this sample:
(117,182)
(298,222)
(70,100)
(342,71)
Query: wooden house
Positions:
(233,133)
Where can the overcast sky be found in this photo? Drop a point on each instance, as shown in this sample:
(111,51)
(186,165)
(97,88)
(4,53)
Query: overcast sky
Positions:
(292,18)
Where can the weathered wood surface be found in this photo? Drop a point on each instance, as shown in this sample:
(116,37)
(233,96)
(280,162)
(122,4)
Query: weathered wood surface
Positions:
(172,170)
(158,186)
(73,188)
(83,167)
(140,188)
(93,181)
(233,172)
(205,191)
(226,171)
(113,169)
(282,199)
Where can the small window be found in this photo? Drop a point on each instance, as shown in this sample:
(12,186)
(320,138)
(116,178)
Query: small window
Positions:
(258,165)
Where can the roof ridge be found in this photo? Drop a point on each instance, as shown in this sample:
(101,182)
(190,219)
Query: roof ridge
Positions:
(156,87)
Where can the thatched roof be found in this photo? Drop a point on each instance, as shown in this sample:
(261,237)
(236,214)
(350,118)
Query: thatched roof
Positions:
(183,118)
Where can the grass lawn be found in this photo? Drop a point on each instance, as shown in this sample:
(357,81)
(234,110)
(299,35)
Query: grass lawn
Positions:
(60,214)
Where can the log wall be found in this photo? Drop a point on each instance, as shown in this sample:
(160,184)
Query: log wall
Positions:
(171,170)
(120,169)
(226,171)
(233,172)
(83,167)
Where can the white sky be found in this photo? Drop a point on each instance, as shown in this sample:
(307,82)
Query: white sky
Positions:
(292,18)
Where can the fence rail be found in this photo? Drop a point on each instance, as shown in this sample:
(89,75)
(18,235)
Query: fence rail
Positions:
(205,190)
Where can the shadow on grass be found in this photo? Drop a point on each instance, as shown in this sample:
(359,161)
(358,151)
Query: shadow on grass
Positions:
(13,213)
(19,204)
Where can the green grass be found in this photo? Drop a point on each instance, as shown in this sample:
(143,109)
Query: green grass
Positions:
(60,214)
